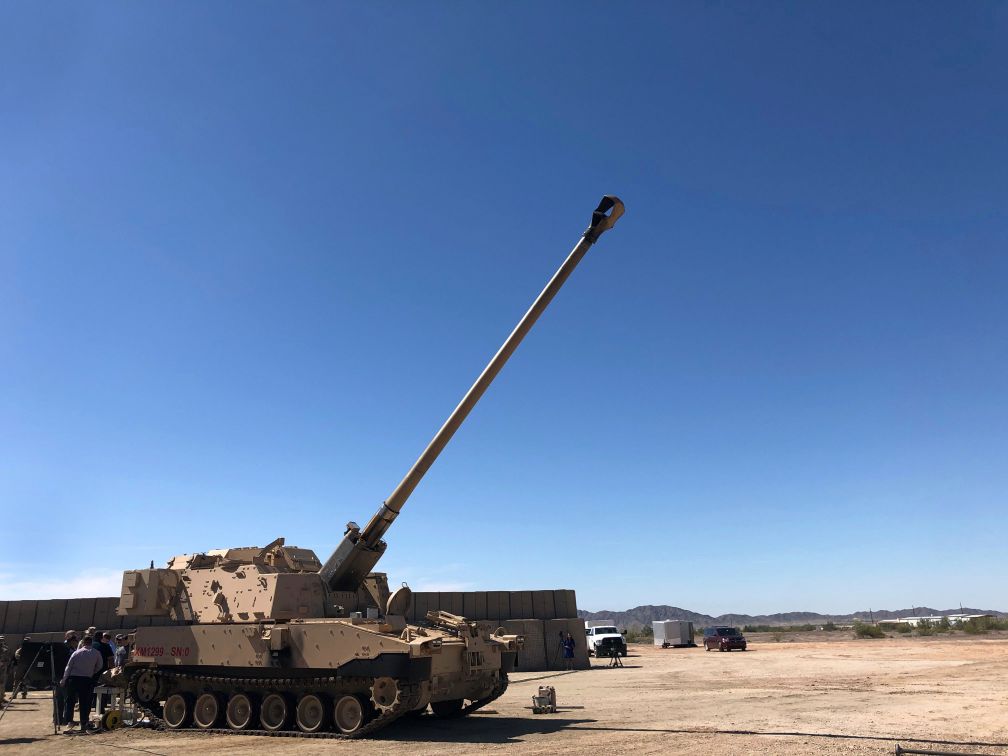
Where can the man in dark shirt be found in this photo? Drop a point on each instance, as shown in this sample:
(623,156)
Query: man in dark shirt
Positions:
(102,645)
(61,655)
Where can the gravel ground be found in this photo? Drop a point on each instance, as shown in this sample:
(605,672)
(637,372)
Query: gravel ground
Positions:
(835,696)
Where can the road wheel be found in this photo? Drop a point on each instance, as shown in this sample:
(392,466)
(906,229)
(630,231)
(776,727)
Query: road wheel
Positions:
(240,712)
(275,714)
(312,713)
(207,712)
(348,714)
(447,708)
(178,710)
(147,687)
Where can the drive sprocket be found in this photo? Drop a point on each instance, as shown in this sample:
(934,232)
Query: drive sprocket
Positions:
(385,694)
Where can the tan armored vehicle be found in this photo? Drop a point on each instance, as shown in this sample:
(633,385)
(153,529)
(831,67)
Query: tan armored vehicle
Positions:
(272,641)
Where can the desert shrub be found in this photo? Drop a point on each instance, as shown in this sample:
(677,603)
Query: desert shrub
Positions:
(829,626)
(865,630)
(902,627)
(778,637)
(635,634)
(980,625)
(924,627)
(943,626)
(806,628)
(975,626)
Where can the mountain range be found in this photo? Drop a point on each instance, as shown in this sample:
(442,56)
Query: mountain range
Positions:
(645,615)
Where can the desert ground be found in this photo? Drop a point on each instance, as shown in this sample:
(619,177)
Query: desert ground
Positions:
(808,696)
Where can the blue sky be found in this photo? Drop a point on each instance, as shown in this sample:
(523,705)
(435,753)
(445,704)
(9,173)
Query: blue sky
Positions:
(251,257)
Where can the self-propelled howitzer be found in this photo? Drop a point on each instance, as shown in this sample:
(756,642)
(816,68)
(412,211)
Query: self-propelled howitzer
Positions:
(267,638)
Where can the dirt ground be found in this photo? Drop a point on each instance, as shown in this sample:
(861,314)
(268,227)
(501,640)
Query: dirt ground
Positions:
(834,696)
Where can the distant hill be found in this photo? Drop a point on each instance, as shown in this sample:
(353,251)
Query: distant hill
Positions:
(645,615)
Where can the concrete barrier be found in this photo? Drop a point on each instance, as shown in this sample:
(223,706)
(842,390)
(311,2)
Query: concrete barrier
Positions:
(20,618)
(420,606)
(469,605)
(563,601)
(107,614)
(498,605)
(532,658)
(452,602)
(543,606)
(49,616)
(521,605)
(79,614)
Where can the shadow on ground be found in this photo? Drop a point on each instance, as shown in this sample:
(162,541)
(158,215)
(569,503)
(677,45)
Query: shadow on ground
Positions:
(428,729)
(476,729)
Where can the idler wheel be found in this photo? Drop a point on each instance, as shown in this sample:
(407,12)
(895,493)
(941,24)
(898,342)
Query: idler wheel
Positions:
(447,708)
(312,713)
(207,712)
(147,687)
(274,714)
(385,694)
(240,712)
(178,711)
(348,713)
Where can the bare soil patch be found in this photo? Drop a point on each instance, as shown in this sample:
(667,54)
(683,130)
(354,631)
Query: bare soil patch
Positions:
(836,696)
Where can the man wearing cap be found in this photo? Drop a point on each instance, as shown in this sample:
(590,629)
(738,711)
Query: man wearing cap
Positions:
(79,680)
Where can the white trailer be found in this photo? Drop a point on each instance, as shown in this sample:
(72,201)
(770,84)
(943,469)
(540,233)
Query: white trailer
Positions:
(673,633)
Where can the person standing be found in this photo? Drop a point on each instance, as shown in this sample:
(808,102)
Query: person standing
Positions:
(19,681)
(104,645)
(60,658)
(101,643)
(568,652)
(79,680)
(5,660)
(121,652)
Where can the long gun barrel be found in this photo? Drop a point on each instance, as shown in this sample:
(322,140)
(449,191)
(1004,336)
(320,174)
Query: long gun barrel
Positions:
(360,550)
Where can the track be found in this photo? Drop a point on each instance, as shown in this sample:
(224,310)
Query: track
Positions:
(408,700)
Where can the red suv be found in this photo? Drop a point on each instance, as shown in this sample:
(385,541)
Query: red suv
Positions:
(723,639)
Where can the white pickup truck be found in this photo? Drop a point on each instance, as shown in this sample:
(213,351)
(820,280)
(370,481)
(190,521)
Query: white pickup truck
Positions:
(602,639)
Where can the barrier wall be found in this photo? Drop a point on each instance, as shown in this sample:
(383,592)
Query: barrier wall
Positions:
(541,616)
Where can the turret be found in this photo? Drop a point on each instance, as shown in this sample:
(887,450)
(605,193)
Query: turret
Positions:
(360,549)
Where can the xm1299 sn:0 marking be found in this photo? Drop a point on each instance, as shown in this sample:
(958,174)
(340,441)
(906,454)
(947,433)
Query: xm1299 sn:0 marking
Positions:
(154,651)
